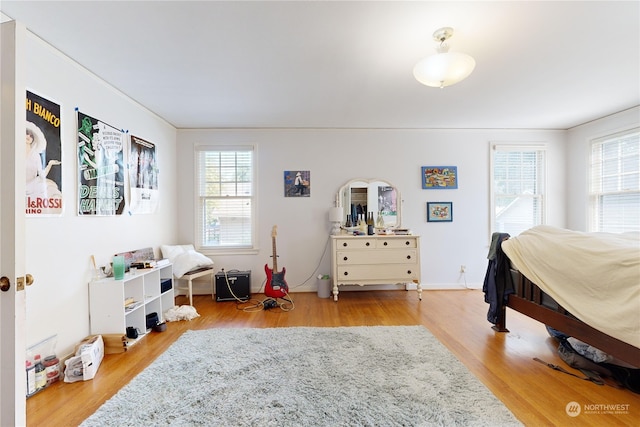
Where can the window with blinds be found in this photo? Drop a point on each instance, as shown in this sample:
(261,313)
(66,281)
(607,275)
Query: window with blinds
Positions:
(517,187)
(225,198)
(614,183)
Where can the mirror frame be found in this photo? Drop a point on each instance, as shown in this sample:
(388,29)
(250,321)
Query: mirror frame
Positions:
(343,198)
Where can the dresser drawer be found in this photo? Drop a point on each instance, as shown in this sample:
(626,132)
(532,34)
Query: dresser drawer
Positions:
(357,243)
(391,256)
(390,273)
(397,243)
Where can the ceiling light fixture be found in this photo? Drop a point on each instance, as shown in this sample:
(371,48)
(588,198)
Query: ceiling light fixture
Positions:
(444,68)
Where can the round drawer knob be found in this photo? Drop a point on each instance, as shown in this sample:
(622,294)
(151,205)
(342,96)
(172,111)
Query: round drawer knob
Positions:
(367,244)
(408,271)
(385,243)
(344,244)
(408,256)
(407,243)
(345,273)
(345,258)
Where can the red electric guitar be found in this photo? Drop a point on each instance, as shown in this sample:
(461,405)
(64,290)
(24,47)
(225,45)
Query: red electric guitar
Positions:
(276,286)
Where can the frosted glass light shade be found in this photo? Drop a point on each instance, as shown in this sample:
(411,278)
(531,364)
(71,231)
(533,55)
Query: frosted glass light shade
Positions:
(444,69)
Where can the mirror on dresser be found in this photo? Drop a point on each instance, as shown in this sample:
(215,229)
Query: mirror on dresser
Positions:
(360,196)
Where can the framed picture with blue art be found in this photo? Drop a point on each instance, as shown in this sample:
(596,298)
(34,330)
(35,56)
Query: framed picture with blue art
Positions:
(297,183)
(439,177)
(439,211)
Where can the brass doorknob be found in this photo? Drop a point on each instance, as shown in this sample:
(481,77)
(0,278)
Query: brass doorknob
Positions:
(29,279)
(5,284)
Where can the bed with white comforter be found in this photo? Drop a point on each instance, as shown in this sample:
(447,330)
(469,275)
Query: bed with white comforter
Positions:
(594,276)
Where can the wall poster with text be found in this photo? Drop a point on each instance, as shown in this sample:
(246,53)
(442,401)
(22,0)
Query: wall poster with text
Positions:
(100,167)
(43,157)
(143,177)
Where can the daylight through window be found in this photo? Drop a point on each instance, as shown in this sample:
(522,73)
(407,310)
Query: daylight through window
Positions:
(518,188)
(225,198)
(614,187)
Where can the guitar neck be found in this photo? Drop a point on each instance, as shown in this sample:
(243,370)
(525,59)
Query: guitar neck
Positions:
(275,255)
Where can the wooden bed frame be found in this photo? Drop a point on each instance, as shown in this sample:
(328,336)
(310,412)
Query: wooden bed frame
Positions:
(531,301)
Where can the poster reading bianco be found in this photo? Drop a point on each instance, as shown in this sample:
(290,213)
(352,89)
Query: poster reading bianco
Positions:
(100,168)
(43,157)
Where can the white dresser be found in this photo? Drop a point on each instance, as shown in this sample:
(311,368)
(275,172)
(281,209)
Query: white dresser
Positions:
(375,260)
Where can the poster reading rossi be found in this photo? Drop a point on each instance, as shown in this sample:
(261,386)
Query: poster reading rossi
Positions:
(100,168)
(43,157)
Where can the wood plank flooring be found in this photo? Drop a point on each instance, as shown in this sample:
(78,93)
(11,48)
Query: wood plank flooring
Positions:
(536,394)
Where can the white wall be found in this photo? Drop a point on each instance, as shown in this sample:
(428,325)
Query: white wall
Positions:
(59,248)
(336,156)
(578,147)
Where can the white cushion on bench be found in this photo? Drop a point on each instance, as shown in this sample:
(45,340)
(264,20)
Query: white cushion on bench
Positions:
(184,258)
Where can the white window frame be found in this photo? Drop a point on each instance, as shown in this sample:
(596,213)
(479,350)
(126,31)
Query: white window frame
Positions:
(230,249)
(541,185)
(616,179)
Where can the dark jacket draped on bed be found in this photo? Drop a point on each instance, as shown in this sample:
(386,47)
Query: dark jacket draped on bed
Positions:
(497,280)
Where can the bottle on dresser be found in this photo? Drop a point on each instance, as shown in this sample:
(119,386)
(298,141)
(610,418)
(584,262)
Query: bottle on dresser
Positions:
(370,225)
(349,223)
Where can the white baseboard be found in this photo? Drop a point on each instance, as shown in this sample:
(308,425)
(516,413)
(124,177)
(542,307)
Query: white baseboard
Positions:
(453,286)
(206,290)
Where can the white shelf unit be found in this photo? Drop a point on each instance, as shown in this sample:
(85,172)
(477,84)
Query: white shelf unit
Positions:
(107,296)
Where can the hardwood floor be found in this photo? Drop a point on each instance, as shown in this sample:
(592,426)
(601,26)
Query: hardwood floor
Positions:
(536,394)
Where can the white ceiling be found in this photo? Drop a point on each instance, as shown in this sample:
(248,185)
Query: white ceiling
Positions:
(339,64)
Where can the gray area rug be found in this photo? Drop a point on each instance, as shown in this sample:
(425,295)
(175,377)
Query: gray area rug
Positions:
(343,376)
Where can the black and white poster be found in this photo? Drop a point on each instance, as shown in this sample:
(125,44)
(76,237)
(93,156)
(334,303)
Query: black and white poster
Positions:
(143,177)
(43,157)
(100,167)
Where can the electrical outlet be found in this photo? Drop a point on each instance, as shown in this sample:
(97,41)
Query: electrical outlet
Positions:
(463,269)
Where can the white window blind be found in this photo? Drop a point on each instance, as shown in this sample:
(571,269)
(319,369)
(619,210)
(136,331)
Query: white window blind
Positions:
(614,187)
(225,198)
(517,187)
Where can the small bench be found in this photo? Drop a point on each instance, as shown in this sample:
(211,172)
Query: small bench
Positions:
(194,274)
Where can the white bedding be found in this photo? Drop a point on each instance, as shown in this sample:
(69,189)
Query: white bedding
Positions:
(595,276)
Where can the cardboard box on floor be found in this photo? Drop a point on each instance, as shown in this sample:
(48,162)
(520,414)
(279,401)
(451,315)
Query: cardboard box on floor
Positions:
(89,352)
(115,343)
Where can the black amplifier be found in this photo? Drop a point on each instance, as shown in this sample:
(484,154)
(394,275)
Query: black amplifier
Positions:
(233,282)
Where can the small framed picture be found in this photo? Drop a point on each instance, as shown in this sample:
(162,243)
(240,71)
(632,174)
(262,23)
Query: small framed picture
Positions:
(297,183)
(439,177)
(439,211)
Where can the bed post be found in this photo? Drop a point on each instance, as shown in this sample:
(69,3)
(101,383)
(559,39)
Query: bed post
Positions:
(501,324)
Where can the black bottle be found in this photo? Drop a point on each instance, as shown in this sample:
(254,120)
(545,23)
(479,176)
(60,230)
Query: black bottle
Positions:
(370,226)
